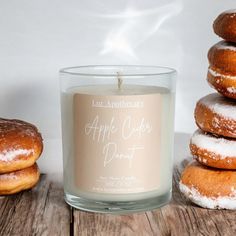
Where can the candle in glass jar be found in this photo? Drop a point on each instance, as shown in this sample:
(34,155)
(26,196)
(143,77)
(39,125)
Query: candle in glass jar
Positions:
(117,141)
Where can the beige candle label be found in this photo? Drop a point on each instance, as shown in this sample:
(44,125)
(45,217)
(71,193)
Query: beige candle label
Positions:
(117,143)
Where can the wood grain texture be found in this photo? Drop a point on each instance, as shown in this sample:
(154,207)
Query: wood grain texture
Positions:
(179,218)
(40,211)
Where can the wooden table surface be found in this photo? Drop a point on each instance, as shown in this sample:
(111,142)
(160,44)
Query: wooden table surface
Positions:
(42,211)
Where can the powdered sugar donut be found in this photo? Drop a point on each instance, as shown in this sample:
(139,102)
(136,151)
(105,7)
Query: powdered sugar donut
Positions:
(213,151)
(20,145)
(222,58)
(223,83)
(225,25)
(209,187)
(17,181)
(216,114)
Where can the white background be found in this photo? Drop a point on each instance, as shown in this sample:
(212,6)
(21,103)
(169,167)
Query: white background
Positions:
(37,38)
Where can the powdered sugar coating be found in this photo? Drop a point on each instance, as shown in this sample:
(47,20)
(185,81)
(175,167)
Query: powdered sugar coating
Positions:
(231,11)
(218,104)
(231,90)
(12,154)
(224,45)
(21,127)
(11,176)
(219,146)
(226,202)
(217,74)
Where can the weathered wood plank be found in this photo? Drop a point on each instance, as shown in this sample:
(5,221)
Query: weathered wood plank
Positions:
(115,225)
(180,217)
(40,211)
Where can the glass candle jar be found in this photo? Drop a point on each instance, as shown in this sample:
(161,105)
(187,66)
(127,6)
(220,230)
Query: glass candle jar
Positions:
(117,134)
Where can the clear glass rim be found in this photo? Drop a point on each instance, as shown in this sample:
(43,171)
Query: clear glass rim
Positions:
(154,70)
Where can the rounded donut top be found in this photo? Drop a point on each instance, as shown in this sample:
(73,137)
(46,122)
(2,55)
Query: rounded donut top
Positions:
(225,25)
(218,104)
(18,139)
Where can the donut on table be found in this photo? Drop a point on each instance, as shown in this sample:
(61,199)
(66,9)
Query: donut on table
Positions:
(225,25)
(209,187)
(20,145)
(17,181)
(216,114)
(213,151)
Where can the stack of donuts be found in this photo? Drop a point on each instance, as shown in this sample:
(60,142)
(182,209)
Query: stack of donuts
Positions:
(210,179)
(20,147)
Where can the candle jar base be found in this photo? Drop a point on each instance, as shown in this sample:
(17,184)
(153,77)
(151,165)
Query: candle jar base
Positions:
(115,207)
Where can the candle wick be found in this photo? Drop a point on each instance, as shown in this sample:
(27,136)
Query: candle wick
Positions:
(120,80)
